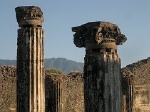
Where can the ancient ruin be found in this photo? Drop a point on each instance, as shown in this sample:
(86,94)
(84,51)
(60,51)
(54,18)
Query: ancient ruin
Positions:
(7,89)
(103,87)
(136,86)
(64,92)
(30,54)
(102,77)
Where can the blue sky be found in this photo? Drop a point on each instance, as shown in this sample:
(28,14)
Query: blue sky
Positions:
(132,17)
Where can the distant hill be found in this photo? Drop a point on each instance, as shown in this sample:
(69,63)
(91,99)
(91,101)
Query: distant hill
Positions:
(7,62)
(59,63)
(63,64)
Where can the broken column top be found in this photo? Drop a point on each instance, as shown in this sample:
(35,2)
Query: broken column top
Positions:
(98,35)
(29,16)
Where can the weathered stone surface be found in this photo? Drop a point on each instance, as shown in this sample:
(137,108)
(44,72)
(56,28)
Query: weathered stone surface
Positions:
(29,16)
(102,78)
(138,79)
(70,89)
(30,60)
(64,92)
(105,34)
(74,86)
(73,94)
(7,89)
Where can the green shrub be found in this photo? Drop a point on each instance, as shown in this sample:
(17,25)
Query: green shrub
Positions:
(54,70)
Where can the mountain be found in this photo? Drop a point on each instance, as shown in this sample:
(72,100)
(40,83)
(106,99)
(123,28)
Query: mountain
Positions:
(63,64)
(7,62)
(59,63)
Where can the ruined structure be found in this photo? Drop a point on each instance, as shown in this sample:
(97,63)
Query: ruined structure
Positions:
(64,92)
(30,69)
(102,77)
(102,87)
(7,89)
(137,86)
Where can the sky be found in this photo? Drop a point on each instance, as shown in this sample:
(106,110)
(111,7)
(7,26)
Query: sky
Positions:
(131,16)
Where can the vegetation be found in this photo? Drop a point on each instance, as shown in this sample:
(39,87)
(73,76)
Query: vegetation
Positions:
(54,70)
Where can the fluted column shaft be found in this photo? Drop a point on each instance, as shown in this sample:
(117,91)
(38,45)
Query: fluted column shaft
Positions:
(102,83)
(58,96)
(30,70)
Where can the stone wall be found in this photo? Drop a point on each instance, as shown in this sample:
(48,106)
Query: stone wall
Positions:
(73,93)
(64,92)
(65,97)
(138,75)
(7,89)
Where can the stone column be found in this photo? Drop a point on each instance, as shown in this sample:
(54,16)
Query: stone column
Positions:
(58,96)
(127,80)
(30,60)
(102,77)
